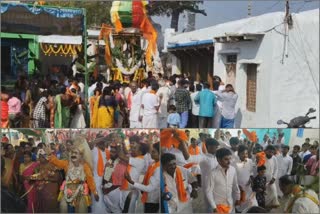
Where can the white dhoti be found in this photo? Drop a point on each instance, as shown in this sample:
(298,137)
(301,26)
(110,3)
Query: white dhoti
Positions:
(250,200)
(150,121)
(271,195)
(135,124)
(112,201)
(98,206)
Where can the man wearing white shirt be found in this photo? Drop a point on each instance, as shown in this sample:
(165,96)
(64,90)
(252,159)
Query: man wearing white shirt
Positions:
(176,177)
(223,184)
(207,162)
(266,138)
(245,168)
(134,101)
(151,104)
(271,175)
(305,150)
(234,143)
(195,107)
(228,98)
(285,165)
(163,92)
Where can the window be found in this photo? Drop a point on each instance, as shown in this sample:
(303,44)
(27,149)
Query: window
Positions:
(231,58)
(251,87)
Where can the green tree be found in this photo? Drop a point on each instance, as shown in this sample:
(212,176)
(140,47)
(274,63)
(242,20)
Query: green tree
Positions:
(98,12)
(174,9)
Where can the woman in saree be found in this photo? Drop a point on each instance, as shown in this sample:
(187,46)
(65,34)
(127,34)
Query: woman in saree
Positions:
(92,102)
(104,108)
(47,185)
(26,170)
(63,102)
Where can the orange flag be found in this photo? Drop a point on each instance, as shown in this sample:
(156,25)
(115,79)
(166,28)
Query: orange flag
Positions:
(104,34)
(150,34)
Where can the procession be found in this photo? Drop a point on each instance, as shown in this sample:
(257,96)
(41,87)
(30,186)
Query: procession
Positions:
(159,106)
(86,171)
(235,171)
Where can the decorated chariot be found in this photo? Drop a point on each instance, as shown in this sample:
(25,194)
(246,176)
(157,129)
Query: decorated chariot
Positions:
(131,43)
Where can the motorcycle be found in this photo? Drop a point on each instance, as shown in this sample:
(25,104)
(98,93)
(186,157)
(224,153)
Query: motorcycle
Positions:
(300,121)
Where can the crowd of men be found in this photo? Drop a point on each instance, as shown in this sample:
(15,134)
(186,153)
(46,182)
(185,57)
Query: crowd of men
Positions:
(59,101)
(236,175)
(95,173)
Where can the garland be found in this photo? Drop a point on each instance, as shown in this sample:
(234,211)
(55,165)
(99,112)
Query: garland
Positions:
(65,49)
(127,71)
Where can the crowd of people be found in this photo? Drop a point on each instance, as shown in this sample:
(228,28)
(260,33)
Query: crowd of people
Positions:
(59,101)
(236,175)
(98,173)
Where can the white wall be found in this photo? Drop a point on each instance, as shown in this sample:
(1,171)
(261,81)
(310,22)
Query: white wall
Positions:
(257,51)
(295,88)
(313,134)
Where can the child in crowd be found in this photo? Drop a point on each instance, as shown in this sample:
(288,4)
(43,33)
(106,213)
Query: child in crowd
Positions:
(173,118)
(259,185)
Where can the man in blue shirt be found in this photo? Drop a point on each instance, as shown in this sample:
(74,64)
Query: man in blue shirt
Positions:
(207,101)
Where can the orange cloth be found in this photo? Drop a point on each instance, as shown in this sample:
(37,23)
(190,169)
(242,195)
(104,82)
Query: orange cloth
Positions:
(242,196)
(107,154)
(146,180)
(194,151)
(221,208)
(252,136)
(100,166)
(125,184)
(189,165)
(182,194)
(104,34)
(168,140)
(261,156)
(150,34)
(129,102)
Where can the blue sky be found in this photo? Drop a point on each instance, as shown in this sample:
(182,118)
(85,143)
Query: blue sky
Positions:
(224,11)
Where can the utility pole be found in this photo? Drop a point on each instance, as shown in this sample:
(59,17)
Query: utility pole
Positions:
(286,32)
(249,7)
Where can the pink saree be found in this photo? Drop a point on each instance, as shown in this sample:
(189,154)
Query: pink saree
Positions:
(28,171)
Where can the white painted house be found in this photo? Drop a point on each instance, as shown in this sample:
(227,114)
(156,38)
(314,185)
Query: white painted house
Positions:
(273,66)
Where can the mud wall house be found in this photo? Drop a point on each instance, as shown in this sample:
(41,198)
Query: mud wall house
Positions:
(274,71)
(40,38)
